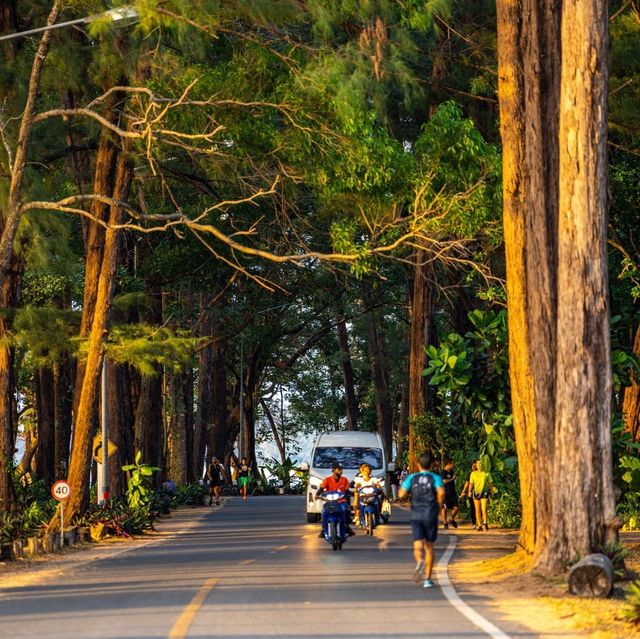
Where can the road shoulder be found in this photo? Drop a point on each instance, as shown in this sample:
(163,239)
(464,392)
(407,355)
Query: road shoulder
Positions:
(494,578)
(34,571)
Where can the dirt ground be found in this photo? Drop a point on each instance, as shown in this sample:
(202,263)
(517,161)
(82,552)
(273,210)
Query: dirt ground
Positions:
(537,602)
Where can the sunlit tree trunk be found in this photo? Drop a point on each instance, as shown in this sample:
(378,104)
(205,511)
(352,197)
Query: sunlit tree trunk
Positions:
(631,403)
(583,501)
(528,75)
(80,462)
(422,306)
(10,217)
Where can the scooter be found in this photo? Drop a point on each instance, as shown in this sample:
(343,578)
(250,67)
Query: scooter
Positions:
(369,508)
(335,532)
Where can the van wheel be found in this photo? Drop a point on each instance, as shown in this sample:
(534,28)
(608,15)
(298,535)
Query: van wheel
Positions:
(312,518)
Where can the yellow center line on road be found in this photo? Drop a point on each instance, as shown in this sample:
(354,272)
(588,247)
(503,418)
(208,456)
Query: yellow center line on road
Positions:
(282,547)
(246,562)
(182,625)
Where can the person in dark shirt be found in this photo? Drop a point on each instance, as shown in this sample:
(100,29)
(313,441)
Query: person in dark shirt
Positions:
(394,482)
(451,504)
(427,496)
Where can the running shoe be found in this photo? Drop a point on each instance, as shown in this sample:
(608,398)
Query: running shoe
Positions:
(427,583)
(446,526)
(484,526)
(418,573)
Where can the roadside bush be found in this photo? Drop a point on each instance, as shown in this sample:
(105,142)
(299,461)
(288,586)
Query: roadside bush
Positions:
(505,510)
(191,495)
(118,518)
(633,601)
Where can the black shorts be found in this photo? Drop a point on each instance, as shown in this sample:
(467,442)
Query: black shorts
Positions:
(483,495)
(215,483)
(424,529)
(451,501)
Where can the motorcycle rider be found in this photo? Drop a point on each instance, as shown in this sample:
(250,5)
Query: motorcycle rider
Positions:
(364,479)
(336,483)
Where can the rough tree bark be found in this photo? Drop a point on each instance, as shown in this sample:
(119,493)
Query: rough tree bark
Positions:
(583,503)
(80,463)
(351,400)
(380,378)
(46,415)
(9,280)
(63,380)
(218,434)
(554,184)
(528,40)
(631,403)
(204,411)
(422,306)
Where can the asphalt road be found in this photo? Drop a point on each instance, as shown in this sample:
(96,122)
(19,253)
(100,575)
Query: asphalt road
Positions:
(248,570)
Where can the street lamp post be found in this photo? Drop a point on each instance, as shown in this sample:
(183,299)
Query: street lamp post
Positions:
(122,14)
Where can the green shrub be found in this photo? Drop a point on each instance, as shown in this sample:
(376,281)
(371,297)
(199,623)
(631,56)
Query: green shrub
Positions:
(505,510)
(633,601)
(118,517)
(191,495)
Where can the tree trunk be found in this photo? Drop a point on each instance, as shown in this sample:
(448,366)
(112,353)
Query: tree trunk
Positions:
(45,410)
(583,503)
(121,425)
(177,440)
(422,306)
(528,40)
(9,283)
(204,412)
(631,403)
(351,400)
(63,380)
(219,428)
(380,378)
(80,464)
(148,437)
(274,430)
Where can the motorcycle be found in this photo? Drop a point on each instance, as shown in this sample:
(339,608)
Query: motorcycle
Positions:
(335,515)
(369,498)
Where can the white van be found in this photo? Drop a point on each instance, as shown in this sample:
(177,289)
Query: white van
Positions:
(350,449)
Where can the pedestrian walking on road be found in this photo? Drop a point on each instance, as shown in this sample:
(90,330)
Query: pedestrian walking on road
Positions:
(480,486)
(394,482)
(451,505)
(427,497)
(215,476)
(243,477)
(466,492)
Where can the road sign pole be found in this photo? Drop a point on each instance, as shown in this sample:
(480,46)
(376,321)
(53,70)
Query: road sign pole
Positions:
(103,496)
(61,524)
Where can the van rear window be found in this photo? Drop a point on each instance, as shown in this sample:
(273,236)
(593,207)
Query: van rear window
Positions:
(347,456)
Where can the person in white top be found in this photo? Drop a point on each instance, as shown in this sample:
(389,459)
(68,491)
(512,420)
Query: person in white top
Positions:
(363,479)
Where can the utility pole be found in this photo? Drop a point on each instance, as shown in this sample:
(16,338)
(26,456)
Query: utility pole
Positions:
(240,434)
(103,468)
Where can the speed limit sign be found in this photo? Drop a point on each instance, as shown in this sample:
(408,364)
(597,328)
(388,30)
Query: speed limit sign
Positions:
(61,490)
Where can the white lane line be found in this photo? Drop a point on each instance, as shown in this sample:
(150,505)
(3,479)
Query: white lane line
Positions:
(456,601)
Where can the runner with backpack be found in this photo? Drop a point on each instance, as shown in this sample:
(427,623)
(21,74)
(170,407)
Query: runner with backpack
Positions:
(426,491)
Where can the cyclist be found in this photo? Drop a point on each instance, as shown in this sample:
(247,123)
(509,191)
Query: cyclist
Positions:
(362,480)
(336,483)
(427,497)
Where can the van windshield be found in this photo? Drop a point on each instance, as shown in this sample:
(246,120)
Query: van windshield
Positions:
(347,456)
